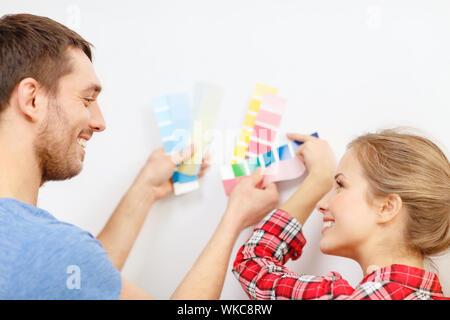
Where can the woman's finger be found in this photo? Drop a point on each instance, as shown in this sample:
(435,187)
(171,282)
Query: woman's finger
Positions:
(299,152)
(299,137)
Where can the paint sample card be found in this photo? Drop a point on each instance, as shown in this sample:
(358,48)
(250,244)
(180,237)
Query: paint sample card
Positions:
(179,125)
(229,184)
(266,125)
(242,144)
(207,101)
(174,118)
(279,164)
(283,170)
(164,121)
(173,115)
(182,188)
(183,183)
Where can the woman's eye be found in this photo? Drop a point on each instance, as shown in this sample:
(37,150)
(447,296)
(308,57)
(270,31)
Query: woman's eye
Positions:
(339,184)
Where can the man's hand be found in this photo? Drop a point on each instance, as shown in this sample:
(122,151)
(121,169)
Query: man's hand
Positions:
(160,167)
(152,183)
(248,203)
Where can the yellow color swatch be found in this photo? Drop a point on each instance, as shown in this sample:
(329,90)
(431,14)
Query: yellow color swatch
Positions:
(261,89)
(249,120)
(240,151)
(254,105)
(208,98)
(244,137)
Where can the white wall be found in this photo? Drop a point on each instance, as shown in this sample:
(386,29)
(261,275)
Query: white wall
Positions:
(345,67)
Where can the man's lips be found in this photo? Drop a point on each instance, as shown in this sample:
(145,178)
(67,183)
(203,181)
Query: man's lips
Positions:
(82,141)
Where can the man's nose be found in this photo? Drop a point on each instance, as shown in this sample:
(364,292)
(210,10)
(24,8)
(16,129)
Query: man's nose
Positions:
(97,123)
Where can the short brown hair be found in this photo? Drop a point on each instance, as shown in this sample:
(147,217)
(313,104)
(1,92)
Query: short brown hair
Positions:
(36,47)
(416,169)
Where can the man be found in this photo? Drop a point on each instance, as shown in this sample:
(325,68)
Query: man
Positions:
(48,113)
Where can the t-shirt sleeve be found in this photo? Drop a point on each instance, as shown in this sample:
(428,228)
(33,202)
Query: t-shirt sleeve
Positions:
(65,262)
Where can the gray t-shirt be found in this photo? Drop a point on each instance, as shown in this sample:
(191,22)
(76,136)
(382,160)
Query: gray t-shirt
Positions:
(44,258)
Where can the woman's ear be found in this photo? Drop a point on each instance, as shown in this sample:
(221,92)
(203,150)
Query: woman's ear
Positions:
(28,99)
(389,208)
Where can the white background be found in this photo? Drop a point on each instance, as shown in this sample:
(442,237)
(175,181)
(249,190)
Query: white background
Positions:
(345,68)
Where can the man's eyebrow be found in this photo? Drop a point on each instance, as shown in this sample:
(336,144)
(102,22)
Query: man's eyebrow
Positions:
(93,87)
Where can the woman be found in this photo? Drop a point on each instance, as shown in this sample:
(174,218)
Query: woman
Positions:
(387,206)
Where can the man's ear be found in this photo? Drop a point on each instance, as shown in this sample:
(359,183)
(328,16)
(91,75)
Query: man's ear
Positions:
(389,208)
(29,99)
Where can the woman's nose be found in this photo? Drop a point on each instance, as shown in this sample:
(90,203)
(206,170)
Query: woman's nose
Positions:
(322,205)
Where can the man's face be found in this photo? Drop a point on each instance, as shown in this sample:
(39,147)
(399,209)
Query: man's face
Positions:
(73,116)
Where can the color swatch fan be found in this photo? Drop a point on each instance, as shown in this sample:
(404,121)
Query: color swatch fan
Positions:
(247,137)
(279,164)
(175,120)
(255,146)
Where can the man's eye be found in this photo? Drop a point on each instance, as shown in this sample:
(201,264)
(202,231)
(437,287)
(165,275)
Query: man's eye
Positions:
(87,101)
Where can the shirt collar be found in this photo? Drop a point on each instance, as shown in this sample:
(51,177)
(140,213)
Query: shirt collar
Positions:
(411,277)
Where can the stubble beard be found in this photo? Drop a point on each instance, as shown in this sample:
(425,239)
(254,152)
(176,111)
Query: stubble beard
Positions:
(54,147)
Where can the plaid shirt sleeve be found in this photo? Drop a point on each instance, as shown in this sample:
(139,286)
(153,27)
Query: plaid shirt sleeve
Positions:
(259,264)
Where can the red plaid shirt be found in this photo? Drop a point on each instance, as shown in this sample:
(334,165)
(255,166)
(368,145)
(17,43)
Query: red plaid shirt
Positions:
(259,267)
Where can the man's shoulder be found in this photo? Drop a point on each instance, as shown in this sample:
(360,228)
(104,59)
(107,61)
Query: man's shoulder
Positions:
(33,229)
(15,212)
(40,254)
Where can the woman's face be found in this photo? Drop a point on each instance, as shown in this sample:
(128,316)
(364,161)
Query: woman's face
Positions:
(349,220)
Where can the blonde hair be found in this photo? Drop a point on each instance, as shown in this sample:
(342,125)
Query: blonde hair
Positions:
(414,168)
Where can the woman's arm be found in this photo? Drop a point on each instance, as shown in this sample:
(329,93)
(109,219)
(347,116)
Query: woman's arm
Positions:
(321,166)
(259,265)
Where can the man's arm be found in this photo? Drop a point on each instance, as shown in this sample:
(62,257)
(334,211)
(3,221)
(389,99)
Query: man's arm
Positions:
(205,279)
(121,230)
(130,291)
(152,183)
(247,205)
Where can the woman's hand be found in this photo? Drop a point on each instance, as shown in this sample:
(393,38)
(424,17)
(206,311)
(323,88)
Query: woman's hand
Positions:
(321,165)
(316,154)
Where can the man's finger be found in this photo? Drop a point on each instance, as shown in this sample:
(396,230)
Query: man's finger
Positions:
(205,165)
(183,155)
(168,187)
(206,157)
